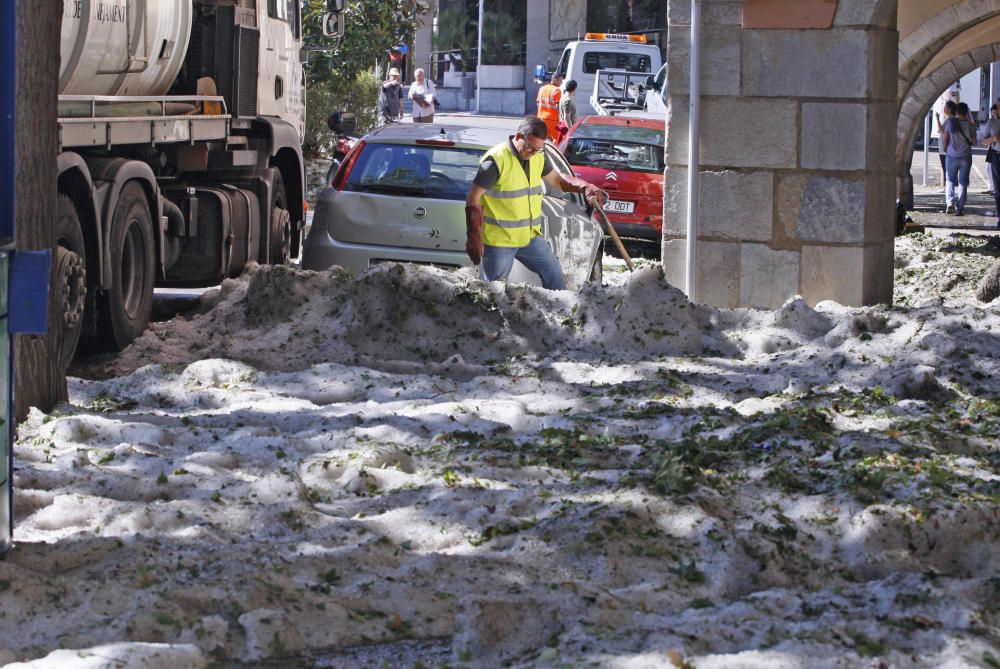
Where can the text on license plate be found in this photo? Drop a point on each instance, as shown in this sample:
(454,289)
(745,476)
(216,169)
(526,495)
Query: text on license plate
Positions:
(619,206)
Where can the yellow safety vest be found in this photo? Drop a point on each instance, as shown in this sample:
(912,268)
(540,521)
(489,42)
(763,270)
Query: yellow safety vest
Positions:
(512,208)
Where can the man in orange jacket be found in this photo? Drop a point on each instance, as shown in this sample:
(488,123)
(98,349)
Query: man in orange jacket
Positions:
(548,104)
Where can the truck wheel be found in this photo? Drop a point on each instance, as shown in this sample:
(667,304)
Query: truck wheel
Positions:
(128,304)
(71,279)
(280,227)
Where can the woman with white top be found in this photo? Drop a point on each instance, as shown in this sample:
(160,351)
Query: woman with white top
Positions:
(992,140)
(422,95)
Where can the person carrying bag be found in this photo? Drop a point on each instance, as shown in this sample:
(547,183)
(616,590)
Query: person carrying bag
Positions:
(957,142)
(422,96)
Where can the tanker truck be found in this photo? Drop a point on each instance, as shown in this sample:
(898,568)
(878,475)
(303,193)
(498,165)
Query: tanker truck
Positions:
(180,126)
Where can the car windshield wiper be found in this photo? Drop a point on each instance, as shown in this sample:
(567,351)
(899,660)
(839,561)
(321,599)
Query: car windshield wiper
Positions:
(393,189)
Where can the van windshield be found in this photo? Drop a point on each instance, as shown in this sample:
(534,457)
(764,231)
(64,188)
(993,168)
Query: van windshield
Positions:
(615,60)
(444,173)
(563,66)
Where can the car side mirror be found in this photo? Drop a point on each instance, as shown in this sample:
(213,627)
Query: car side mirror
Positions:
(651,82)
(342,123)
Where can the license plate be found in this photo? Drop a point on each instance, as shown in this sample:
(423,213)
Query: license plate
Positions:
(619,207)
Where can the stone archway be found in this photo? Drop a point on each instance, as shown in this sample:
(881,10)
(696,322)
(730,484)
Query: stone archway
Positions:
(923,95)
(918,48)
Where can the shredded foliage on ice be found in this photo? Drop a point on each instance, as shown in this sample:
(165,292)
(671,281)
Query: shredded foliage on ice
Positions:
(414,468)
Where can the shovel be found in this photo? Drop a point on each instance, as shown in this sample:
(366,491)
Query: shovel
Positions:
(610,229)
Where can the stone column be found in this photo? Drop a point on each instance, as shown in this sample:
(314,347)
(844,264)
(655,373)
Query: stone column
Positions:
(797,181)
(537,48)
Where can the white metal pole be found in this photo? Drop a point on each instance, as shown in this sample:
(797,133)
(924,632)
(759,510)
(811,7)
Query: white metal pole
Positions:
(694,136)
(479,52)
(927,145)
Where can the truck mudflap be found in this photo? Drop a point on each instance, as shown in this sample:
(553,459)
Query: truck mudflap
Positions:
(285,151)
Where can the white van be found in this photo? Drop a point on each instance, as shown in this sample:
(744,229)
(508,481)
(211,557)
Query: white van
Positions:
(580,60)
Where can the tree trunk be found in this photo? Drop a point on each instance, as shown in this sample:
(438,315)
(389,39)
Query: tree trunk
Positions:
(989,286)
(38,380)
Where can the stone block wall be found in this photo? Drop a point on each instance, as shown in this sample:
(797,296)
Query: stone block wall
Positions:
(505,101)
(797,182)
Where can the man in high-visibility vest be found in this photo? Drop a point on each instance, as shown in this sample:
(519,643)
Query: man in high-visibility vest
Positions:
(504,206)
(548,104)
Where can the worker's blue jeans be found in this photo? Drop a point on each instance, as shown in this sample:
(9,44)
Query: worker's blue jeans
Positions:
(536,256)
(958,180)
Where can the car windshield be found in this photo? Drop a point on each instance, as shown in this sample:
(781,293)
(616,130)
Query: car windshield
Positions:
(402,169)
(616,153)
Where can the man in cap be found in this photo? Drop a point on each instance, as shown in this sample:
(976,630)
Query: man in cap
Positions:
(391,97)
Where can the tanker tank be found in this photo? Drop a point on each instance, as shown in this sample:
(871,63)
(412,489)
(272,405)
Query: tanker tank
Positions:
(122,47)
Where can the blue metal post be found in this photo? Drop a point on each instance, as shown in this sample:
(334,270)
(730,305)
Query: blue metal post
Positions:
(8,87)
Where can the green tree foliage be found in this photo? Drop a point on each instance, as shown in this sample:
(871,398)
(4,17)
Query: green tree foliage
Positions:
(358,95)
(456,31)
(344,77)
(503,39)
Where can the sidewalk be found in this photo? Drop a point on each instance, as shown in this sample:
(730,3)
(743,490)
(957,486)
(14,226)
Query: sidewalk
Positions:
(980,209)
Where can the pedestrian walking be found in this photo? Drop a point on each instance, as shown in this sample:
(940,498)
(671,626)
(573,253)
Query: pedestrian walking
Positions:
(503,209)
(992,140)
(548,104)
(567,109)
(391,98)
(422,95)
(949,111)
(986,132)
(957,140)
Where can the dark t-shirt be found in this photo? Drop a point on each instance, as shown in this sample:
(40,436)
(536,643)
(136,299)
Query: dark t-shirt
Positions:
(392,99)
(489,172)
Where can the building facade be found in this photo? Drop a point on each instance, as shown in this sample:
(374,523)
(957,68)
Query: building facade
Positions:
(517,36)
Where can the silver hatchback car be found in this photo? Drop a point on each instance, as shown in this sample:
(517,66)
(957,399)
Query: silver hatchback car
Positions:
(400,197)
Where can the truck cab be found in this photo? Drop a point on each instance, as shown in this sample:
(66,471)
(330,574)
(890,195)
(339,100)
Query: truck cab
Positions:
(581,60)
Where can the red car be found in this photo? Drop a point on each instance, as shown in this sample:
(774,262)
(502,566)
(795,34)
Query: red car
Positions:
(624,156)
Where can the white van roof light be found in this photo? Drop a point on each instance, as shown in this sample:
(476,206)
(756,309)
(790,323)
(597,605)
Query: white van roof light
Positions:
(614,37)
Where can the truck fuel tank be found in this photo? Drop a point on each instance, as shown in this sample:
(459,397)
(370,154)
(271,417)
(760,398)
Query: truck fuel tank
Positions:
(122,47)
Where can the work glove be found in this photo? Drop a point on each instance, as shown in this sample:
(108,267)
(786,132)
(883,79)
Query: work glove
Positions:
(575,184)
(591,191)
(474,233)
